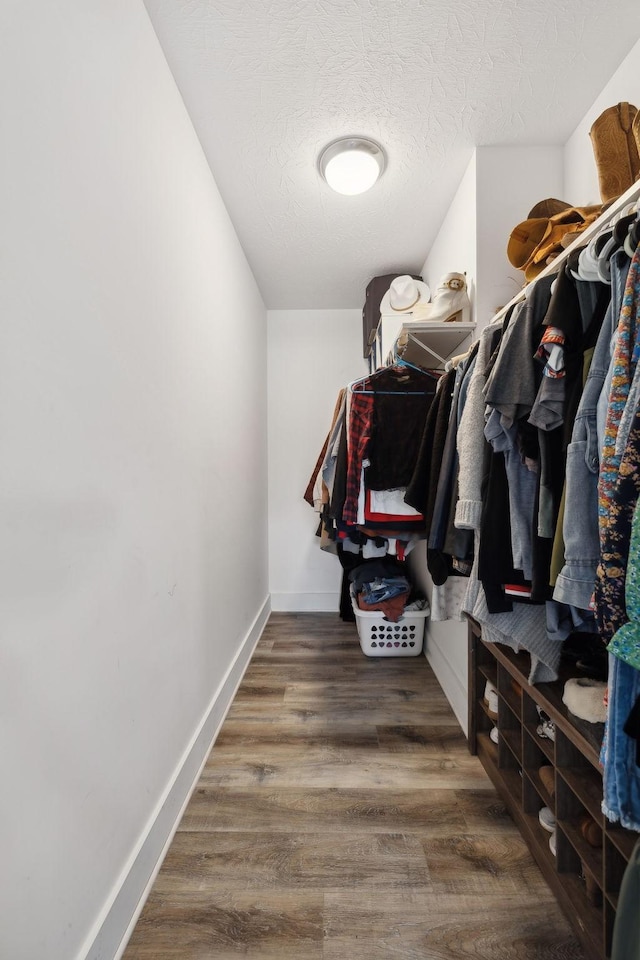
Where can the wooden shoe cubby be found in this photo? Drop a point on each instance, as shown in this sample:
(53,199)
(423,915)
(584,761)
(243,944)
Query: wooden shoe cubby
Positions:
(585,874)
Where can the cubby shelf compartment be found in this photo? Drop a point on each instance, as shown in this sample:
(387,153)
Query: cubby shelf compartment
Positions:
(623,840)
(510,698)
(591,857)
(512,740)
(545,745)
(536,784)
(585,878)
(587,786)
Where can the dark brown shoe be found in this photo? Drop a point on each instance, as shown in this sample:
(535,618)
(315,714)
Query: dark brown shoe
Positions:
(591,831)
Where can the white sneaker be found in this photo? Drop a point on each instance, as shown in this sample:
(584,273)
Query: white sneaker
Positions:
(552,843)
(547,730)
(491,700)
(494,734)
(547,819)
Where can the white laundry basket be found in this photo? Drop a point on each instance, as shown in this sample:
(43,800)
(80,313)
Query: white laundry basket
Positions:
(380,637)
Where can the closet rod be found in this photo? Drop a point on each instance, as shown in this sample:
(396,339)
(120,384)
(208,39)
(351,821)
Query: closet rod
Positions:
(605,218)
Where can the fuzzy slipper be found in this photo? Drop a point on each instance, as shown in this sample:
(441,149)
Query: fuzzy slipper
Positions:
(584,698)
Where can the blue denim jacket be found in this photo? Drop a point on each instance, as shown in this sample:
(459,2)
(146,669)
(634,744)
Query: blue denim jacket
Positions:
(575,582)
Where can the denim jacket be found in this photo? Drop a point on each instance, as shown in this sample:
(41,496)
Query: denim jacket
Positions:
(576,580)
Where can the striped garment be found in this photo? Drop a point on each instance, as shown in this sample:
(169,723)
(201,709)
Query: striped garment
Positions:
(609,605)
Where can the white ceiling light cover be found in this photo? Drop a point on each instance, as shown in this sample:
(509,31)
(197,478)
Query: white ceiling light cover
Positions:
(351,165)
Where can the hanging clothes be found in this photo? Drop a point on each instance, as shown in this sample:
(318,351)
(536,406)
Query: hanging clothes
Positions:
(575,582)
(513,444)
(369,457)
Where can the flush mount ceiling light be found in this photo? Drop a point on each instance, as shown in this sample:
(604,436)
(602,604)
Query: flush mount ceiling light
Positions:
(351,165)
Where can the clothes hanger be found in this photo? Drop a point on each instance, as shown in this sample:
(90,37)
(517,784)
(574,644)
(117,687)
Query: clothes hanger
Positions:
(588,263)
(401,362)
(633,236)
(391,393)
(621,228)
(398,362)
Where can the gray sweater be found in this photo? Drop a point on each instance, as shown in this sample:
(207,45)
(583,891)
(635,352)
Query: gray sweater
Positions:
(471,440)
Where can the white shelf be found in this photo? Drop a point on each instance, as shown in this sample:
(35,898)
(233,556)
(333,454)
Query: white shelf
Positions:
(429,343)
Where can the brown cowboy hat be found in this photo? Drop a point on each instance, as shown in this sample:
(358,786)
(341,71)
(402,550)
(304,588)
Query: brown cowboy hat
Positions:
(539,238)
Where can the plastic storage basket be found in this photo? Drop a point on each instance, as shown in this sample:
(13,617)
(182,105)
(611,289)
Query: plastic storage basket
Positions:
(380,637)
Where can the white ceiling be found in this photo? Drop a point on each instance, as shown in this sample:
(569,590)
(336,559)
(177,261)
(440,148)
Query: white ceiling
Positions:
(268,83)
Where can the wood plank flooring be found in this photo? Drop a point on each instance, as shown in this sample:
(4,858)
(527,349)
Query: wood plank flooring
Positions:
(340,817)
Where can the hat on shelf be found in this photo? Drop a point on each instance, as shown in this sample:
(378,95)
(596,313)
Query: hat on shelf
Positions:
(548,208)
(538,239)
(406,296)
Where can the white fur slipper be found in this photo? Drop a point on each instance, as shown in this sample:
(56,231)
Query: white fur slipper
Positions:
(584,698)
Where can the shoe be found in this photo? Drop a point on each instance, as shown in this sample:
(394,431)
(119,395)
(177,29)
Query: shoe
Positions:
(547,819)
(450,301)
(615,150)
(552,842)
(548,777)
(491,700)
(493,735)
(584,698)
(593,891)
(547,730)
(591,831)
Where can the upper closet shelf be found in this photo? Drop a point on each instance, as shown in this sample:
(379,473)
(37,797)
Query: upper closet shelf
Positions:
(428,343)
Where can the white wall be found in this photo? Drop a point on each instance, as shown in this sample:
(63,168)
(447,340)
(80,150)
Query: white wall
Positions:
(311,354)
(473,239)
(510,180)
(133,470)
(474,234)
(580,171)
(455,248)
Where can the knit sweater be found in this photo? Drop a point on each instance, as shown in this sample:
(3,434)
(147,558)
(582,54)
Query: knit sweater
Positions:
(471,441)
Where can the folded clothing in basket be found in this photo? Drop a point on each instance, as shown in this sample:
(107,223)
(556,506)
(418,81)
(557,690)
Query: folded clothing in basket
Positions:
(381,584)
(382,568)
(384,589)
(392,608)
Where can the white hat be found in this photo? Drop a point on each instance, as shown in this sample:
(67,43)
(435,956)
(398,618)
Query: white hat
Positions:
(405,295)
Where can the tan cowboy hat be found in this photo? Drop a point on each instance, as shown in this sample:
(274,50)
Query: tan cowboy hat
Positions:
(538,239)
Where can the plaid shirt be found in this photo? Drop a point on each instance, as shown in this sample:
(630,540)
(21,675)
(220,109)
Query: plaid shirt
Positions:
(358,436)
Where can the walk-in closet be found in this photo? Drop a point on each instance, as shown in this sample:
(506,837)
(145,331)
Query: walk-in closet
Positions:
(320,495)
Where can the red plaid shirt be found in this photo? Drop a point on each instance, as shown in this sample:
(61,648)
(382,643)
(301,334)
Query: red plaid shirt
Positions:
(358,435)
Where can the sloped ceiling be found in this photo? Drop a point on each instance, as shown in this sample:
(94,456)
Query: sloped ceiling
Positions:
(268,83)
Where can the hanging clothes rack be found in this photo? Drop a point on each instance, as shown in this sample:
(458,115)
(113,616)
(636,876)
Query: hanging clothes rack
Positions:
(398,362)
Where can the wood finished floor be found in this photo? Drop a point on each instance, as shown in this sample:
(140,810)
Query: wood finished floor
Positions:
(340,817)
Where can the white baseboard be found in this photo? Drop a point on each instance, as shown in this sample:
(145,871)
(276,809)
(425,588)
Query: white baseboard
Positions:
(453,685)
(111,932)
(305,602)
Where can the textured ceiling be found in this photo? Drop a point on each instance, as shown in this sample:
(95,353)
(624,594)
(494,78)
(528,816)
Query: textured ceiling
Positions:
(268,83)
